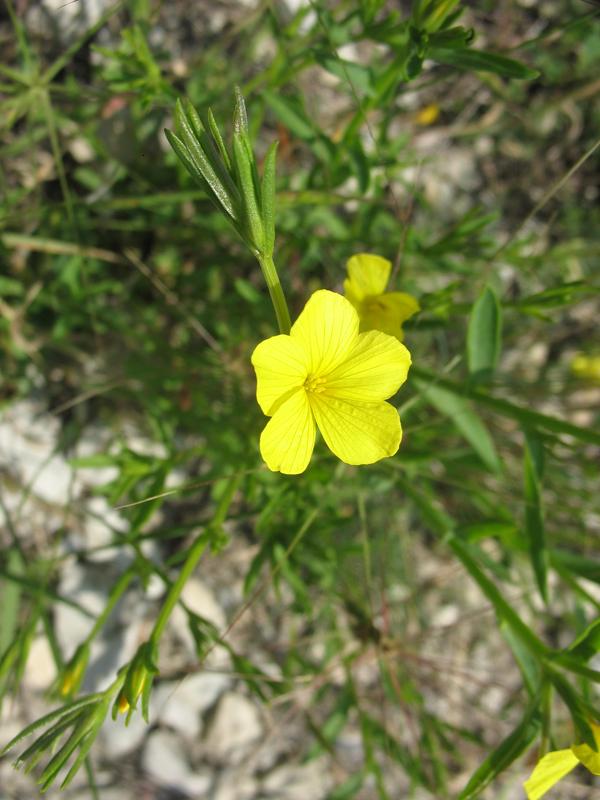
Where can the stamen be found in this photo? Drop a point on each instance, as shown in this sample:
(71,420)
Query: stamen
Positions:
(315,384)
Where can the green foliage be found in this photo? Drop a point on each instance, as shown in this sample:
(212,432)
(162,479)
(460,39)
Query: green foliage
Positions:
(131,296)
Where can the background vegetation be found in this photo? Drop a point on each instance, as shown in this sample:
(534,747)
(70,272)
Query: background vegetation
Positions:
(455,139)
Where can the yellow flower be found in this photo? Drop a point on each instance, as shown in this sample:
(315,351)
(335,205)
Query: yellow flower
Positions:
(587,367)
(327,375)
(378,310)
(555,765)
(428,115)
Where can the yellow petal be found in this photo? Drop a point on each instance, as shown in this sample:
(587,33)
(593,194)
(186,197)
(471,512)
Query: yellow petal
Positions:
(281,368)
(287,442)
(374,369)
(387,312)
(357,433)
(367,275)
(548,771)
(588,757)
(326,330)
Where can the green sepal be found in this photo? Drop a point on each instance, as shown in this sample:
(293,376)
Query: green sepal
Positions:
(69,682)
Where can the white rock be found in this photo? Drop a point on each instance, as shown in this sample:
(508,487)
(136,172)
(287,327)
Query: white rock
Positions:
(40,670)
(118,740)
(199,692)
(172,707)
(232,786)
(299,781)
(164,761)
(234,729)
(27,441)
(201,600)
(101,523)
(72,626)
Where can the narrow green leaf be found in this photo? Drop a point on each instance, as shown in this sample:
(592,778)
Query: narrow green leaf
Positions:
(581,711)
(528,418)
(484,336)
(443,526)
(527,663)
(87,741)
(467,421)
(183,155)
(192,117)
(470,59)
(197,155)
(587,644)
(502,608)
(504,755)
(240,118)
(267,196)
(291,114)
(68,708)
(216,134)
(534,520)
(349,72)
(244,168)
(349,788)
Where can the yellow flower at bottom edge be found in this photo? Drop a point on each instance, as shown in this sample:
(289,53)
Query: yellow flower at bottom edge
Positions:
(555,765)
(368,276)
(326,374)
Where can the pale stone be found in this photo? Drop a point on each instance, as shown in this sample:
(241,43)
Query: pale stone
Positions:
(119,740)
(299,781)
(234,729)
(163,760)
(40,670)
(200,599)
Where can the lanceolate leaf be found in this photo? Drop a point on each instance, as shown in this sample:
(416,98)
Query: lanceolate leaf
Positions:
(534,521)
(470,59)
(503,756)
(467,421)
(484,336)
(197,156)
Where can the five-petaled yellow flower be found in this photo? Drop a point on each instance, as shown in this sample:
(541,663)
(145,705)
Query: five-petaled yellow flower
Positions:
(326,374)
(555,765)
(368,276)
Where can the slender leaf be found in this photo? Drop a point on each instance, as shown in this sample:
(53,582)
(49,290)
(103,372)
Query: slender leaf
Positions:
(525,416)
(268,194)
(467,421)
(534,521)
(587,644)
(504,755)
(470,59)
(484,336)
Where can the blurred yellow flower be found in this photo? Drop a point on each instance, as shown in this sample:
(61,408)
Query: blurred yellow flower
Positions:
(378,310)
(587,367)
(428,115)
(326,374)
(555,765)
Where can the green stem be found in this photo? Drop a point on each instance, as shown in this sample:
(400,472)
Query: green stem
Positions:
(113,599)
(193,556)
(271,277)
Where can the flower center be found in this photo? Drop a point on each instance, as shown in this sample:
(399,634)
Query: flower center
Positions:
(314,384)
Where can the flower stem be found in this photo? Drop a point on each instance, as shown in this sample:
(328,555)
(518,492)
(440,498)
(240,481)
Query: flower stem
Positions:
(275,290)
(198,546)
